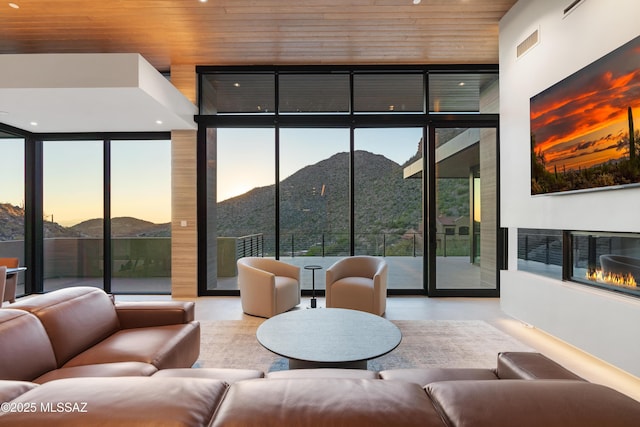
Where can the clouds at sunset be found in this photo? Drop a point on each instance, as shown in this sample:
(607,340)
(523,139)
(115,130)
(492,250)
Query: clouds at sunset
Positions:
(580,121)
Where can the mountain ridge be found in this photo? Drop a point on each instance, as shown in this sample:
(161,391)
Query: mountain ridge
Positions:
(314,201)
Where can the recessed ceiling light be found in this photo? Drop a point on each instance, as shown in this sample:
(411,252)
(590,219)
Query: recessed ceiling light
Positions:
(33,123)
(14,5)
(416,1)
(236,84)
(461,84)
(158,122)
(203,1)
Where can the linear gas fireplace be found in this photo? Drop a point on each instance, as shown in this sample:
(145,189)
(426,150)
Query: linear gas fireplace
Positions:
(606,260)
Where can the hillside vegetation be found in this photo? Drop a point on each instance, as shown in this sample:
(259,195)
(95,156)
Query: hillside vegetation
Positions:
(314,201)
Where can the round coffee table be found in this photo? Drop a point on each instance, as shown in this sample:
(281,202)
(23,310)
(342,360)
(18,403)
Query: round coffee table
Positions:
(328,337)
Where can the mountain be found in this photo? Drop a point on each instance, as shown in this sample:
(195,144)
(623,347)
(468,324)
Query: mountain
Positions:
(315,199)
(12,226)
(123,227)
(11,222)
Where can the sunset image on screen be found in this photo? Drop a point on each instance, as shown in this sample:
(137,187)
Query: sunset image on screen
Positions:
(585,130)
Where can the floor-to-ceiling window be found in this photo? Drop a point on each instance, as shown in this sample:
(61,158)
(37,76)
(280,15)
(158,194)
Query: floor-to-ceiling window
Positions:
(140,206)
(314,197)
(465,209)
(57,192)
(245,199)
(348,149)
(388,218)
(12,201)
(72,214)
(464,184)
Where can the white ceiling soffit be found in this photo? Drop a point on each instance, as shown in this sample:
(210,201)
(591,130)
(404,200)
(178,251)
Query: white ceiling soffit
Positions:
(110,92)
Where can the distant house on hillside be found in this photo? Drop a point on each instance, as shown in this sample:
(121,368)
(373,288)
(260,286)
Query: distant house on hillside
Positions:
(453,236)
(451,226)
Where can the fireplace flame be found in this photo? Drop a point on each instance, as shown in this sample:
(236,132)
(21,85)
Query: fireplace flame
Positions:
(625,280)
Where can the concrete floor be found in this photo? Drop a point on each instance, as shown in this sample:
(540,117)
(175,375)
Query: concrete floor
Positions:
(404,273)
(423,308)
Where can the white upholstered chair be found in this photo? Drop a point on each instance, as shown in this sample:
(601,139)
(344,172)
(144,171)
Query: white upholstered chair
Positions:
(9,292)
(3,279)
(267,286)
(358,283)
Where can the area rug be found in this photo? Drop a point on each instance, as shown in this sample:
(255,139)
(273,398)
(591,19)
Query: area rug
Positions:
(425,343)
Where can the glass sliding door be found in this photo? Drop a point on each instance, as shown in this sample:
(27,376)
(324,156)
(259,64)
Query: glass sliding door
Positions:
(314,198)
(388,201)
(12,202)
(465,211)
(141,216)
(356,172)
(73,214)
(245,199)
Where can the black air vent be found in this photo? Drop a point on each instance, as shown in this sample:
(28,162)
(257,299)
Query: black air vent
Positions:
(572,6)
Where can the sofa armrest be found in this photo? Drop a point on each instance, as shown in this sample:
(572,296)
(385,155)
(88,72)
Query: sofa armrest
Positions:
(154,313)
(514,365)
(525,403)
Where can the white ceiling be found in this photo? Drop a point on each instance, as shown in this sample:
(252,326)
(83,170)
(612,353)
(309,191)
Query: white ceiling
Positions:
(89,93)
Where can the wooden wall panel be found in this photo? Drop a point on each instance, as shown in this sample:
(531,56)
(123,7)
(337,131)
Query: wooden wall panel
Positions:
(184,231)
(184,212)
(489,208)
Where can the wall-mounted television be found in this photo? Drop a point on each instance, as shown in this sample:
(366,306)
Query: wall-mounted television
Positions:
(585,129)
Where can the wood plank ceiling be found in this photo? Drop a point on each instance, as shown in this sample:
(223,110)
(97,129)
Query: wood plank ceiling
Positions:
(260,32)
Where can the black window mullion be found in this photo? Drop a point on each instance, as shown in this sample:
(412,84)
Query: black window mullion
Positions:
(33,227)
(277,166)
(352,207)
(106,233)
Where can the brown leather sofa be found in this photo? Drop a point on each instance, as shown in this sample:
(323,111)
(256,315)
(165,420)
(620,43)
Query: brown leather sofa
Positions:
(525,389)
(80,332)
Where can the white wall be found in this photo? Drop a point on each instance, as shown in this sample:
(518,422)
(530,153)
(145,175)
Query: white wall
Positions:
(567,44)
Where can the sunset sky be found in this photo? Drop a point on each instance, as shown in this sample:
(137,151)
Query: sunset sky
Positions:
(246,157)
(141,170)
(579,121)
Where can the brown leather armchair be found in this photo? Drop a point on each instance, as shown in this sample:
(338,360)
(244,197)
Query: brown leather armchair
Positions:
(9,292)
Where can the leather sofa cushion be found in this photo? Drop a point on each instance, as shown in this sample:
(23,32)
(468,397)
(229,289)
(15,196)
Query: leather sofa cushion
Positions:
(324,373)
(524,403)
(121,369)
(75,318)
(316,401)
(171,346)
(9,390)
(424,376)
(227,375)
(25,349)
(122,402)
(531,366)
